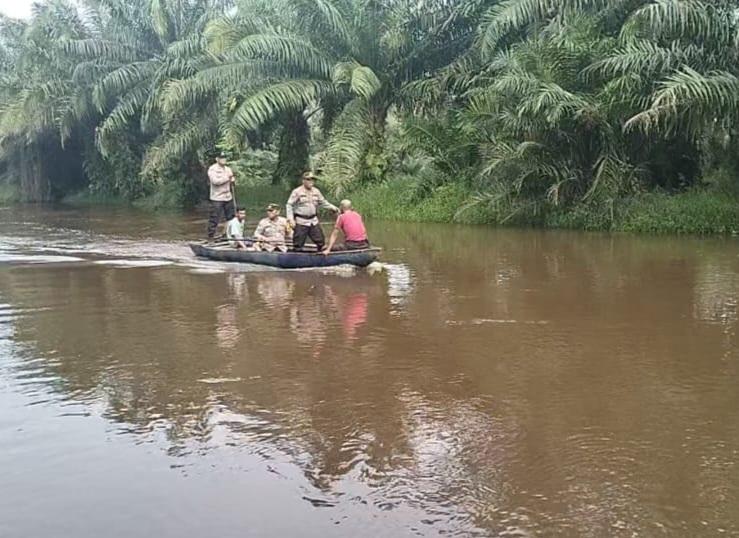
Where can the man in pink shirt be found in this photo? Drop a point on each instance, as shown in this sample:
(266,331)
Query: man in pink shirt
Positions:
(350,223)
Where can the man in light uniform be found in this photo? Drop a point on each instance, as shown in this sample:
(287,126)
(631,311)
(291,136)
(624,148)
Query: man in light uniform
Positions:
(220,178)
(272,231)
(302,213)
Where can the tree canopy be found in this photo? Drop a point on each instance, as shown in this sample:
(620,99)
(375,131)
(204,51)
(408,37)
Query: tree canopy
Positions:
(532,104)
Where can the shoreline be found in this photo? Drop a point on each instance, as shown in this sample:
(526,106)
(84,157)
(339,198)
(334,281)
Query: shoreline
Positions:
(696,212)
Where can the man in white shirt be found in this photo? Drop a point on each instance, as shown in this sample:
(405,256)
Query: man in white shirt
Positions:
(221,179)
(235,229)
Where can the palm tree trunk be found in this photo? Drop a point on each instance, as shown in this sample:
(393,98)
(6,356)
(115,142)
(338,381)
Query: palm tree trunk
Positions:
(293,154)
(376,158)
(34,184)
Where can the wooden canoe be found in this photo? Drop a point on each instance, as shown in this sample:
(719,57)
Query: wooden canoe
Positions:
(286,260)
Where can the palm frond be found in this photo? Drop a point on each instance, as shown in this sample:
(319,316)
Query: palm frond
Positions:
(120,117)
(114,51)
(291,51)
(282,97)
(326,17)
(364,82)
(224,32)
(681,18)
(122,79)
(348,144)
(690,101)
(175,146)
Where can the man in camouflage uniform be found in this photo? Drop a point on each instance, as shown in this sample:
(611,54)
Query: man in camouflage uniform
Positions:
(272,231)
(302,213)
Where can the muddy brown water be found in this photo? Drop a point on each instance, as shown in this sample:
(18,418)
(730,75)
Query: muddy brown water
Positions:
(486,383)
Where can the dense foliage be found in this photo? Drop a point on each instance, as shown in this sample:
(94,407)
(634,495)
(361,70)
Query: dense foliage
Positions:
(525,110)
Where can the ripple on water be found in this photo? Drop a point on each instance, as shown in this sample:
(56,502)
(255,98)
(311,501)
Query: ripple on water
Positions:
(37,258)
(124,264)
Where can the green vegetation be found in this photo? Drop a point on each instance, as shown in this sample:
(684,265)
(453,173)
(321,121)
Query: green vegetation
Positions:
(694,212)
(598,114)
(9,194)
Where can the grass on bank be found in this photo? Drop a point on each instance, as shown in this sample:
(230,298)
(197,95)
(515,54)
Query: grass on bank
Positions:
(86,198)
(9,194)
(692,212)
(708,211)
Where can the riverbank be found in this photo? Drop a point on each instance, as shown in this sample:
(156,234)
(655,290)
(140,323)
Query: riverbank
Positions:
(692,212)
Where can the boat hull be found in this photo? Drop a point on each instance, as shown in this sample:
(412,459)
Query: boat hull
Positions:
(287,260)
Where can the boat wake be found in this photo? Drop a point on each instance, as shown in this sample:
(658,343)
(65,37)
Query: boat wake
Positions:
(46,245)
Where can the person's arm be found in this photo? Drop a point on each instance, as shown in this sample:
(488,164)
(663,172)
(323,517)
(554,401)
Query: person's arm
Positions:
(288,230)
(215,180)
(331,242)
(259,231)
(289,208)
(238,233)
(325,204)
(334,236)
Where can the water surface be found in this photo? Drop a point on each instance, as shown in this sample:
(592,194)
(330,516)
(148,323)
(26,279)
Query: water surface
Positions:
(486,383)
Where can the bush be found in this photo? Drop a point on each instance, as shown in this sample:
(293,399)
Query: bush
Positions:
(254,167)
(89,197)
(171,195)
(9,193)
(696,212)
(399,199)
(256,197)
(592,216)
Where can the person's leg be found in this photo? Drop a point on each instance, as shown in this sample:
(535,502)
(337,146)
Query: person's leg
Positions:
(299,236)
(316,235)
(229,210)
(356,245)
(214,215)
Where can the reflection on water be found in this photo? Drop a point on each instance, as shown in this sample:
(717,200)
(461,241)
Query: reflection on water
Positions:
(487,383)
(399,285)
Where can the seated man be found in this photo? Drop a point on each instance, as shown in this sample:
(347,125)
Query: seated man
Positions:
(272,231)
(235,229)
(349,222)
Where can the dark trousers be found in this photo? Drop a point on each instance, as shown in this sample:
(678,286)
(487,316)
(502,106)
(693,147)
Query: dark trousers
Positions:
(216,212)
(351,245)
(303,232)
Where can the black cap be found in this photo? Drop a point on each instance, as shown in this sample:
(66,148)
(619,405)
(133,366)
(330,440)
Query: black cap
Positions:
(222,155)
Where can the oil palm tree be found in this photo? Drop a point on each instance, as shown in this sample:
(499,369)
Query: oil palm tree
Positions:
(591,100)
(148,44)
(342,63)
(42,111)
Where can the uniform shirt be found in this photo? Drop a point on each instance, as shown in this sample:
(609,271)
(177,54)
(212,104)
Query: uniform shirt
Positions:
(219,178)
(235,229)
(274,230)
(351,224)
(303,204)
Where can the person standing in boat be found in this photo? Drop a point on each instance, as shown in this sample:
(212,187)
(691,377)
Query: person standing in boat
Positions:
(302,213)
(272,231)
(235,229)
(221,206)
(350,223)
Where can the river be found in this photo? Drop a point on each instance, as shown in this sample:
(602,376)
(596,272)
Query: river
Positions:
(485,383)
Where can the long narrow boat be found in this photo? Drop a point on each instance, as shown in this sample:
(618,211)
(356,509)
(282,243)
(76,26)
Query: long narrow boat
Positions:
(286,260)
